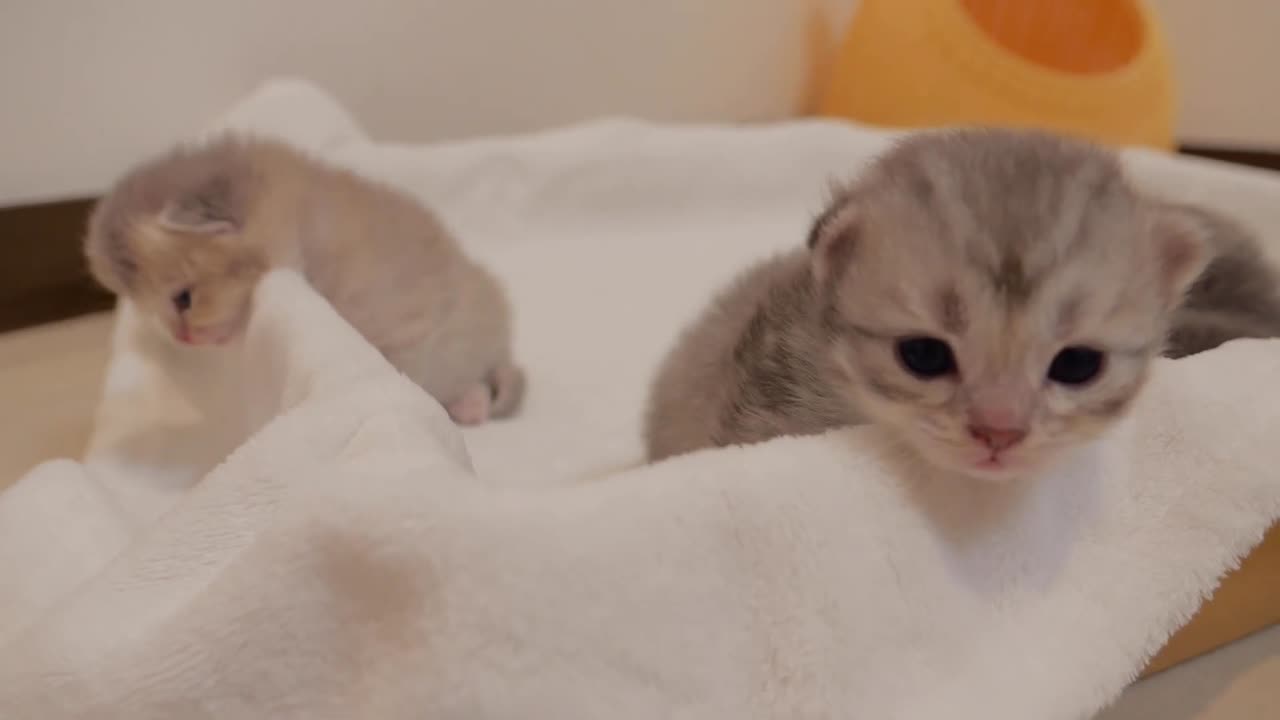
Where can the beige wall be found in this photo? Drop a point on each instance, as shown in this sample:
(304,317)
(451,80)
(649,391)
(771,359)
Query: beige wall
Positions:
(88,86)
(1226,54)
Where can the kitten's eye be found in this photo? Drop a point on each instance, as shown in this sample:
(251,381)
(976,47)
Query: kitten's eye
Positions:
(926,357)
(182,300)
(1076,365)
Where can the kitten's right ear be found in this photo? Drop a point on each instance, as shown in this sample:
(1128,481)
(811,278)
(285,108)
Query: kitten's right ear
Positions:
(214,208)
(1182,245)
(832,238)
(106,249)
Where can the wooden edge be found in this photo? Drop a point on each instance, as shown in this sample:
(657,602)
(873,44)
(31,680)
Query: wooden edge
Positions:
(1248,600)
(43,277)
(1265,159)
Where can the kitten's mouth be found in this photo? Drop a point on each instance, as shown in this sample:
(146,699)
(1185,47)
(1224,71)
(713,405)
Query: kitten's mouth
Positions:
(1000,466)
(999,460)
(981,463)
(184,335)
(995,469)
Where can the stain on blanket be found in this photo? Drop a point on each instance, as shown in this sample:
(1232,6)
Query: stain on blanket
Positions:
(380,601)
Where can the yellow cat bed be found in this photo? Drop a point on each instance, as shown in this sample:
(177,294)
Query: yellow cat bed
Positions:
(1095,68)
(1247,601)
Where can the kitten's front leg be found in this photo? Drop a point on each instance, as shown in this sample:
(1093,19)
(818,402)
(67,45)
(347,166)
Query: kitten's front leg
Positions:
(1196,331)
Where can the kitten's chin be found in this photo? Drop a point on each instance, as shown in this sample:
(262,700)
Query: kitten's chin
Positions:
(210,339)
(1003,473)
(203,337)
(980,468)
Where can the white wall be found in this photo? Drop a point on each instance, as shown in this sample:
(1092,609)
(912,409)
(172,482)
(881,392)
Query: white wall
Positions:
(1226,54)
(89,86)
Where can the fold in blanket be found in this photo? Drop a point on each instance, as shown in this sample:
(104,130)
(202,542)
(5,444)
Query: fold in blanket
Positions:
(343,563)
(330,547)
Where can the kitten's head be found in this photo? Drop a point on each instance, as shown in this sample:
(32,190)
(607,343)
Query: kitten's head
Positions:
(171,237)
(997,296)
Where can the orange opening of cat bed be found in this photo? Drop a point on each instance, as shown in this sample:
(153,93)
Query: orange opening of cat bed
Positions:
(1094,68)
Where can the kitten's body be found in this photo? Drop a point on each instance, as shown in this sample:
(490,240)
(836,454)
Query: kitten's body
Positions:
(1237,295)
(1012,249)
(753,367)
(212,219)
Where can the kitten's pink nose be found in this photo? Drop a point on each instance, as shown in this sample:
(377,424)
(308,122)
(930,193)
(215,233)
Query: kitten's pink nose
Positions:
(997,438)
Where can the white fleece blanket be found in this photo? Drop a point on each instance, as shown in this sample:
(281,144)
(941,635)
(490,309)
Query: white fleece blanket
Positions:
(289,529)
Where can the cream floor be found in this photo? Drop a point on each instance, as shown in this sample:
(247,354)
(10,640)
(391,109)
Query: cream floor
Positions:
(49,379)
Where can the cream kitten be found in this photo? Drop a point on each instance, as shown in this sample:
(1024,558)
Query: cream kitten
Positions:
(187,236)
(991,297)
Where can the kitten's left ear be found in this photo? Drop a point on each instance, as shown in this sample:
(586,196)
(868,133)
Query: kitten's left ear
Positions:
(1182,249)
(214,208)
(832,239)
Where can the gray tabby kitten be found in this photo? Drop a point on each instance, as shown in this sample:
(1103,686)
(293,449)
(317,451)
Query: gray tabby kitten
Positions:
(989,296)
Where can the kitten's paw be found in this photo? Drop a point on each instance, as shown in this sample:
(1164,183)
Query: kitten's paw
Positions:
(472,407)
(507,382)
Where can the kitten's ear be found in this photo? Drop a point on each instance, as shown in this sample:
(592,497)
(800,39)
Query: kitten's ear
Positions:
(109,242)
(110,261)
(1182,248)
(214,208)
(832,238)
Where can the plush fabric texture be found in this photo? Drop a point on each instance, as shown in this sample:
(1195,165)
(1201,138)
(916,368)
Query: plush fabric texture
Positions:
(287,528)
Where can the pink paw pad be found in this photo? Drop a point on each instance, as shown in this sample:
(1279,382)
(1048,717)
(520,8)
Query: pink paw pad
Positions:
(472,407)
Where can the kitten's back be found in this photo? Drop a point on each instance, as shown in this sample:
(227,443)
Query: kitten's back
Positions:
(392,269)
(743,370)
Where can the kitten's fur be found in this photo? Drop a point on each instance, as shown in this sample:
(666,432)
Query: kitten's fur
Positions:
(1237,295)
(1009,245)
(213,218)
